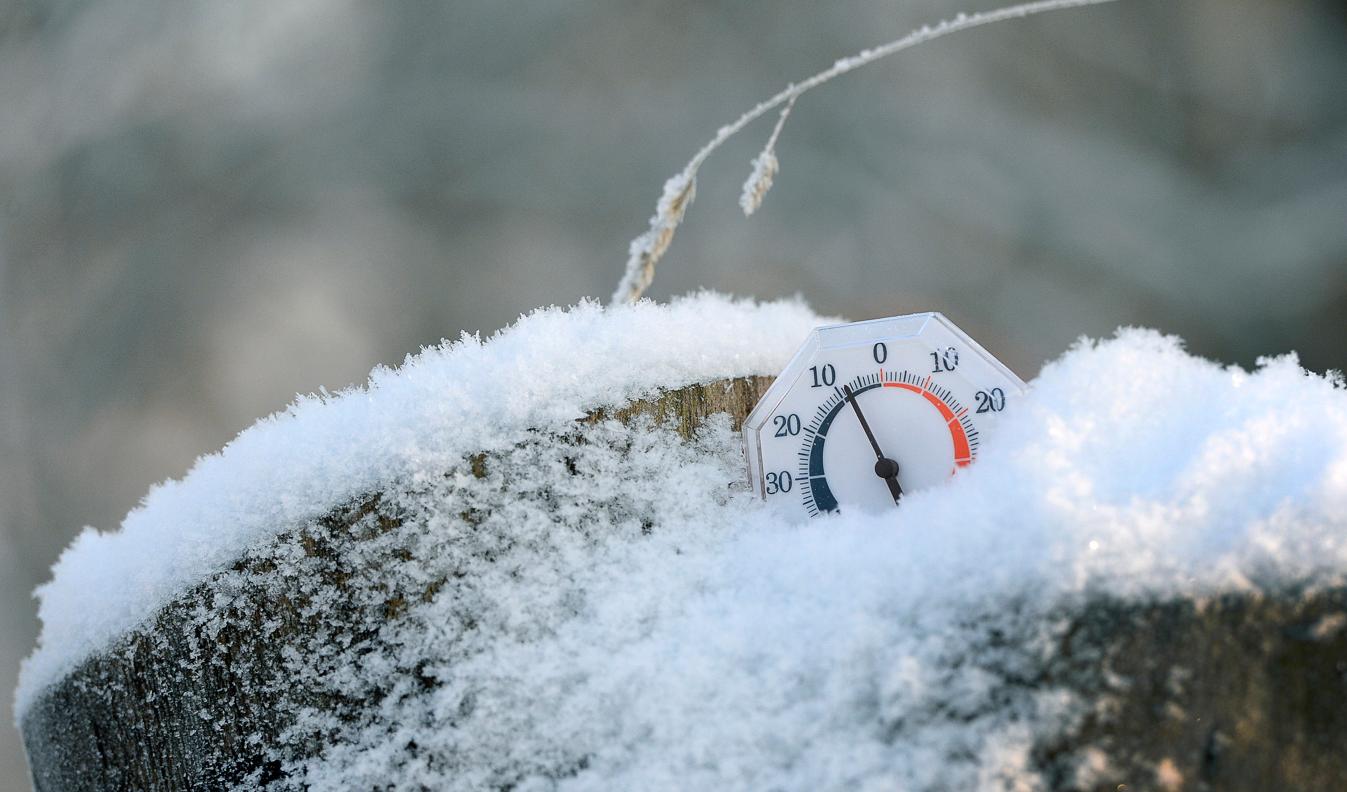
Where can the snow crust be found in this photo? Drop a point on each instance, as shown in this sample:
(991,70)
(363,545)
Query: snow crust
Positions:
(723,648)
(627,615)
(548,369)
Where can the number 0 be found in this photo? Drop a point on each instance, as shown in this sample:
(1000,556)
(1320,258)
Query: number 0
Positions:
(880,352)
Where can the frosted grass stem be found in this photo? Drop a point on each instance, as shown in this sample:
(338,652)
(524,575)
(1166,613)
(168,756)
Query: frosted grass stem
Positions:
(765,166)
(647,249)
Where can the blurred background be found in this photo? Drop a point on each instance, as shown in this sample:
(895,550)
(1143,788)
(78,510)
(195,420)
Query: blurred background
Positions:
(208,207)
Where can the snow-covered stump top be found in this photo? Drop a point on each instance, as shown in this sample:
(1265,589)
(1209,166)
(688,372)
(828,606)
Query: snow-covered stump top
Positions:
(446,580)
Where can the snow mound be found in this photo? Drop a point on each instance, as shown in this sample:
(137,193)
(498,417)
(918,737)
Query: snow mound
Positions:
(680,637)
(627,615)
(548,369)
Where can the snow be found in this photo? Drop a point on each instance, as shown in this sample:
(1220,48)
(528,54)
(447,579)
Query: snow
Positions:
(627,615)
(726,650)
(548,369)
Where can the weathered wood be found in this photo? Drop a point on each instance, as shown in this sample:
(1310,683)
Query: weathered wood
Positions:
(686,408)
(1239,692)
(1243,692)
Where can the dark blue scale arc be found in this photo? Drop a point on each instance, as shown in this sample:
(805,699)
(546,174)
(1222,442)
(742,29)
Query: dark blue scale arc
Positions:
(818,496)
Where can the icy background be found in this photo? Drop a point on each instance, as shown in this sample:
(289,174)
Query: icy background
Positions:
(206,209)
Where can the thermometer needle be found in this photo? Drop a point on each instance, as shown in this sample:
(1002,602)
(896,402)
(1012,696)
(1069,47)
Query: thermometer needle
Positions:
(885,468)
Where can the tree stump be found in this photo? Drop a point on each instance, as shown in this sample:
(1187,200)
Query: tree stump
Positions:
(1245,692)
(136,717)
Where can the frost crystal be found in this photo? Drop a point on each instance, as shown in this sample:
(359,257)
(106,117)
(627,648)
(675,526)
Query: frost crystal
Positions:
(759,181)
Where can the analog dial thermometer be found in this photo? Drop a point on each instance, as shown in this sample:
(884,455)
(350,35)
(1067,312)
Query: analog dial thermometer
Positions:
(868,411)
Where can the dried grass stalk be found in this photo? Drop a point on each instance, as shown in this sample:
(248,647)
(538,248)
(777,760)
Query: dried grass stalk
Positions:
(647,249)
(765,166)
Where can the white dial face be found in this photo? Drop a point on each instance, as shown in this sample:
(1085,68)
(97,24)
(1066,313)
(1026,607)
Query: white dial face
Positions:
(869,411)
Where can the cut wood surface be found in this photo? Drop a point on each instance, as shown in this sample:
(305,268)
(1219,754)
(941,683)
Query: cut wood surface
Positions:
(1240,692)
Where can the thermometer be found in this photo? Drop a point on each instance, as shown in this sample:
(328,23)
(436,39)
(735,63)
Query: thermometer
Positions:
(869,411)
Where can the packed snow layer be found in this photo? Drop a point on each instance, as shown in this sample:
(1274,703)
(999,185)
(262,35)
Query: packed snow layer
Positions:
(548,369)
(627,615)
(622,619)
(635,623)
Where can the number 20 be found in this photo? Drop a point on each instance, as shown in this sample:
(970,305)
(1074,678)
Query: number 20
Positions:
(993,400)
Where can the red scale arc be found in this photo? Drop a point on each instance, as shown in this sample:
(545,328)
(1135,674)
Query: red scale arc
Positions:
(963,454)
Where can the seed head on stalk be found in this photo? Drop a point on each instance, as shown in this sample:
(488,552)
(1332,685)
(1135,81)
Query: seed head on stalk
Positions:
(647,249)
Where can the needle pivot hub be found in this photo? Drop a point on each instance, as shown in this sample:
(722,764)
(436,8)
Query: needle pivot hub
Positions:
(886,468)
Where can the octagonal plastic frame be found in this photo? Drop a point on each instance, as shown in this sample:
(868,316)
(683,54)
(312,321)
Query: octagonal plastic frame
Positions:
(933,329)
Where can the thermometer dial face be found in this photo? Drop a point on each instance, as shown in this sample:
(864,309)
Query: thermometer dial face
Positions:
(868,411)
